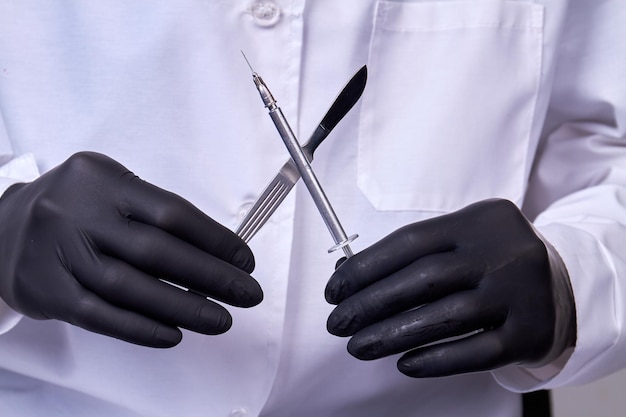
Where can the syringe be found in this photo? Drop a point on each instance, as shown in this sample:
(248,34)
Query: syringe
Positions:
(342,241)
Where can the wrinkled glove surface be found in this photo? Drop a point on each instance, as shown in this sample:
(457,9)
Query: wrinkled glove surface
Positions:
(90,243)
(481,272)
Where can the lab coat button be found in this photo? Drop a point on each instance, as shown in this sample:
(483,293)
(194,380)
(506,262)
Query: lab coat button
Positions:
(243,210)
(266,13)
(238,412)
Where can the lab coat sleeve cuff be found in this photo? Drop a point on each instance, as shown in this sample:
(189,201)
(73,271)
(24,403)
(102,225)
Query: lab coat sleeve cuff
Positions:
(20,169)
(598,322)
(8,317)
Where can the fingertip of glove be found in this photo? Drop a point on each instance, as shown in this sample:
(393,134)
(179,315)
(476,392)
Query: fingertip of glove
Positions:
(256,294)
(411,367)
(335,289)
(329,295)
(341,324)
(166,337)
(337,286)
(340,262)
(365,349)
(246,293)
(333,325)
(243,259)
(219,324)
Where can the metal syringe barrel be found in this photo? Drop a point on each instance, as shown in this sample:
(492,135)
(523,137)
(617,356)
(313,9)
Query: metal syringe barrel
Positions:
(342,241)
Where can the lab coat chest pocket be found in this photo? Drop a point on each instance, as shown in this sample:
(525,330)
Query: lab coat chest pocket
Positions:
(448,109)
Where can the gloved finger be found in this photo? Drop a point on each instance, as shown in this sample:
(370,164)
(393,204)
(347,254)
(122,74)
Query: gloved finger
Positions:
(147,203)
(451,316)
(385,257)
(131,289)
(165,256)
(479,352)
(94,314)
(424,281)
(340,261)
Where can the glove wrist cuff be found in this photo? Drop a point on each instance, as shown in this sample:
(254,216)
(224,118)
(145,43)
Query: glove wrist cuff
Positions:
(564,304)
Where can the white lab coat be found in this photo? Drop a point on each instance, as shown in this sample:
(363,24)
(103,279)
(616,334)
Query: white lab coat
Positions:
(465,100)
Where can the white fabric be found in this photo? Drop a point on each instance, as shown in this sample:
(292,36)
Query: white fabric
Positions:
(466,99)
(19,169)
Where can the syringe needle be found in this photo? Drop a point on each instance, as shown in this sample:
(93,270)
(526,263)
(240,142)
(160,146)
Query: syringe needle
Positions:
(248,62)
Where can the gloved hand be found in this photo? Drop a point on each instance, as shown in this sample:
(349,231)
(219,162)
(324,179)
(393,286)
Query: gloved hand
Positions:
(481,272)
(88,242)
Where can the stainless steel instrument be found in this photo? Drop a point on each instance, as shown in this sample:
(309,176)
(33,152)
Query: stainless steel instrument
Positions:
(276,191)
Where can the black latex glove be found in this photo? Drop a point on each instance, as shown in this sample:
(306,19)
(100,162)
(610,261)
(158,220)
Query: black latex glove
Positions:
(86,243)
(482,268)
